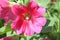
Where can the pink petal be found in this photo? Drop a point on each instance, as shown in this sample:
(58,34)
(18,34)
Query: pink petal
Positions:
(18,10)
(7,15)
(31,0)
(32,5)
(23,28)
(7,38)
(29,31)
(39,20)
(0,8)
(38,11)
(20,30)
(34,27)
(53,0)
(4,3)
(41,10)
(4,12)
(17,23)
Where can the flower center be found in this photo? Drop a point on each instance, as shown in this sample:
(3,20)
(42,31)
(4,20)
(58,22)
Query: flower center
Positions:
(27,16)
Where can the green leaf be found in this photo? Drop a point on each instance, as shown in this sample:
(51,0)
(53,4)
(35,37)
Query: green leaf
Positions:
(47,29)
(3,35)
(8,27)
(42,2)
(13,0)
(20,2)
(11,33)
(26,2)
(1,22)
(52,20)
(5,29)
(2,30)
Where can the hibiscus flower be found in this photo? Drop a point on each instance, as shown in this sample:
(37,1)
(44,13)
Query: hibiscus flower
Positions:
(5,11)
(53,0)
(7,38)
(29,18)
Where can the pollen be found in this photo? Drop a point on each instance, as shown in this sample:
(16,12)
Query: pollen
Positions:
(27,18)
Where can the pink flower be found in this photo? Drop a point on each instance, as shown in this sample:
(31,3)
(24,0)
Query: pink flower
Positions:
(5,11)
(29,18)
(53,0)
(7,38)
(4,8)
(4,3)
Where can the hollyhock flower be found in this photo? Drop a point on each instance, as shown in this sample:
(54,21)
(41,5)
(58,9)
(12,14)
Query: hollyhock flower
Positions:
(7,38)
(29,18)
(45,39)
(53,0)
(4,3)
(5,11)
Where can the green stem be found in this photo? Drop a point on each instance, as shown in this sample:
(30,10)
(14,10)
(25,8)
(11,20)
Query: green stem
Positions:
(58,30)
(20,2)
(23,36)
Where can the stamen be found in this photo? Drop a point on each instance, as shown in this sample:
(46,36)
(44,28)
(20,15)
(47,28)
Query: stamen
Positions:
(27,18)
